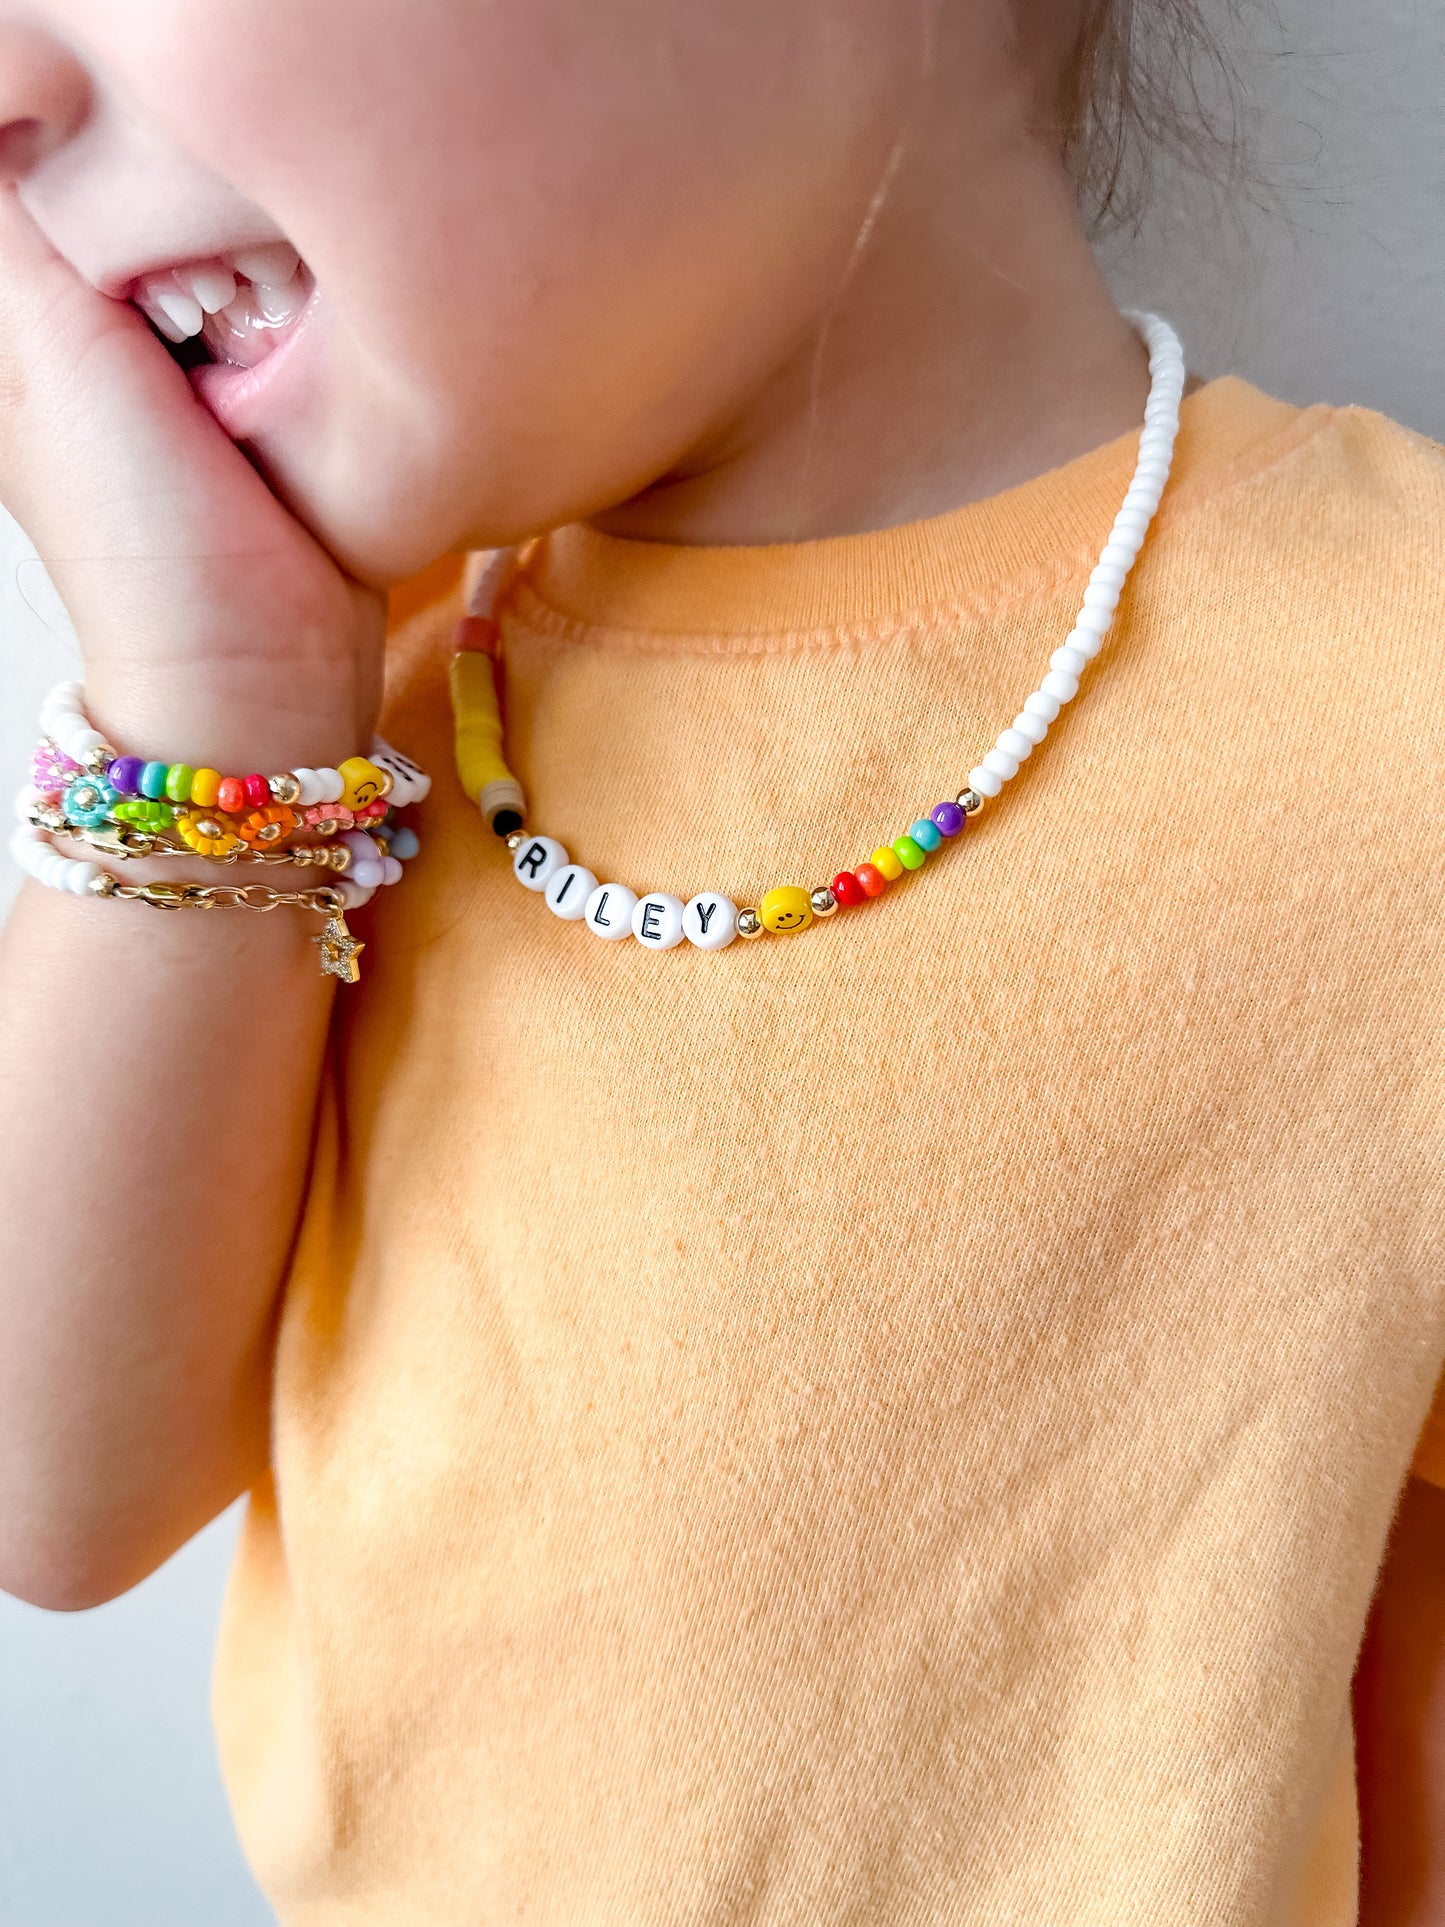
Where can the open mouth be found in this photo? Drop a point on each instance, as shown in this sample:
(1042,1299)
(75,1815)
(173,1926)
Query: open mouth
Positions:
(235,309)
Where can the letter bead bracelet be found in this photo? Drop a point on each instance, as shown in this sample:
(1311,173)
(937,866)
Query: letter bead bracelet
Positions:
(711,920)
(86,796)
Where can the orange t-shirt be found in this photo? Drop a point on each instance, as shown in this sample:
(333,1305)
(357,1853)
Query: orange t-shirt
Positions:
(897,1423)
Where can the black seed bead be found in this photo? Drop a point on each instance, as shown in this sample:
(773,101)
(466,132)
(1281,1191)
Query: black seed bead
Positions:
(505,821)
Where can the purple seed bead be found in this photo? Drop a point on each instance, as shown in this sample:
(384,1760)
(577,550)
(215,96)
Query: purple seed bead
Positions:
(124,774)
(949,818)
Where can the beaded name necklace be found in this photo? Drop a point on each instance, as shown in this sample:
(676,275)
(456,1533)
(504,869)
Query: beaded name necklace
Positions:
(711,920)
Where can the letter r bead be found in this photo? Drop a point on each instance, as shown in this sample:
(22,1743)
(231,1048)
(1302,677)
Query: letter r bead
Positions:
(537,860)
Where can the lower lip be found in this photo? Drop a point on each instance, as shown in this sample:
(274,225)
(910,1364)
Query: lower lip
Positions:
(244,400)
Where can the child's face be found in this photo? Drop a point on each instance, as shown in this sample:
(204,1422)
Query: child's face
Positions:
(554,241)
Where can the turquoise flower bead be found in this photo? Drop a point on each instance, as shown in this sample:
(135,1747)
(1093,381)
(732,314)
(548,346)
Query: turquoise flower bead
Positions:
(926,835)
(89,801)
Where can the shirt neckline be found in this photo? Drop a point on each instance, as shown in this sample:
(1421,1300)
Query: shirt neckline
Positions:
(580,581)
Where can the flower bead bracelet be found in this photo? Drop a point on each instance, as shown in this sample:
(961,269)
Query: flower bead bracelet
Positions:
(340,820)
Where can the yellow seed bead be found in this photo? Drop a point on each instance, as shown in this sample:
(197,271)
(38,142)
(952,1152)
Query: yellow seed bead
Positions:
(786,908)
(205,786)
(363,782)
(885,859)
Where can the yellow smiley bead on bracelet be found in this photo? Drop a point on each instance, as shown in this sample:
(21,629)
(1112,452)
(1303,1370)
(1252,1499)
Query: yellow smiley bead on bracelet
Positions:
(710,920)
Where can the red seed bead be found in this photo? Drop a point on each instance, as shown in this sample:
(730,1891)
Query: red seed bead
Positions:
(847,889)
(258,791)
(872,879)
(231,796)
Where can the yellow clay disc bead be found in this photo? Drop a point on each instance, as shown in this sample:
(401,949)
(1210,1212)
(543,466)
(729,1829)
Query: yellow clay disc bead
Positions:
(885,860)
(786,908)
(364,783)
(205,787)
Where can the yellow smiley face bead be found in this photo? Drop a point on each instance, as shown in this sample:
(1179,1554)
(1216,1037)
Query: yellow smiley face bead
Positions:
(363,781)
(786,908)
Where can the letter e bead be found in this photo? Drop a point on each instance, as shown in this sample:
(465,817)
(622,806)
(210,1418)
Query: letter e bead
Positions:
(657,921)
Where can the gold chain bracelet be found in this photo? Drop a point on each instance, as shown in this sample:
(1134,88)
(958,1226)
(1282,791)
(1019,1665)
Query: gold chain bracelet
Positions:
(339,949)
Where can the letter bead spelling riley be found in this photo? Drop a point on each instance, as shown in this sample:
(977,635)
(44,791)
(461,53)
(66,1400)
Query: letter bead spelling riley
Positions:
(709,920)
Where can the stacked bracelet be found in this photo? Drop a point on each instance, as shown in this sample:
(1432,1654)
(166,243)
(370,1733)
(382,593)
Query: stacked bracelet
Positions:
(84,791)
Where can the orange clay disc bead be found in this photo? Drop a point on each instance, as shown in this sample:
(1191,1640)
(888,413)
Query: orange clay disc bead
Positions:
(266,829)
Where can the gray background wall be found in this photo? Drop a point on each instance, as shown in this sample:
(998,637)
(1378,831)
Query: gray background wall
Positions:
(111,1813)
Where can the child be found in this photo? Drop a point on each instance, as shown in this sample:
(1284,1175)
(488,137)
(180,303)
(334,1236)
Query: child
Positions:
(894,1420)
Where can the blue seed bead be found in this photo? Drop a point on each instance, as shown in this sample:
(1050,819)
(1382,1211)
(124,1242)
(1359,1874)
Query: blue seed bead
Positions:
(926,835)
(404,845)
(153,779)
(908,853)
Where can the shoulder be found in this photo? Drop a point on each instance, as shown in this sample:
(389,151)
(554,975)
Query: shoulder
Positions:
(1315,555)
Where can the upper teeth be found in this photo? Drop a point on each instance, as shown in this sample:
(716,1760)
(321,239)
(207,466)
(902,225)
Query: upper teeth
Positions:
(179,301)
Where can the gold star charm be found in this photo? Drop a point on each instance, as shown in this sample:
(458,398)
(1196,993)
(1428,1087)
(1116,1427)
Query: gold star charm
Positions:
(339,950)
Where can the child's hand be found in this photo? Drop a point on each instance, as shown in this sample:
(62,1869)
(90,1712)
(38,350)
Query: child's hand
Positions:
(205,611)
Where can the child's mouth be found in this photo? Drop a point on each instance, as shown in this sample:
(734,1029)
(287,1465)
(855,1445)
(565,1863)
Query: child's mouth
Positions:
(235,308)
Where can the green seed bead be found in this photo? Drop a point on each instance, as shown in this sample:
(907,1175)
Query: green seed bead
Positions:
(178,782)
(910,854)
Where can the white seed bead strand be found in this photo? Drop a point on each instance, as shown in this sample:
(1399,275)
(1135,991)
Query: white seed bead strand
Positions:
(39,858)
(1106,584)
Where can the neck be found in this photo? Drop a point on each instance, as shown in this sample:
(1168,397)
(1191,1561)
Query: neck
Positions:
(970,345)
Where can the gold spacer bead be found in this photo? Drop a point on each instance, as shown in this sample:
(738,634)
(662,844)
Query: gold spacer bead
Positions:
(968,801)
(96,760)
(338,857)
(102,885)
(823,901)
(285,788)
(515,839)
(750,924)
(387,783)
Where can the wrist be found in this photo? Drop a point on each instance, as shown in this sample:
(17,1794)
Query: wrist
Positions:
(233,724)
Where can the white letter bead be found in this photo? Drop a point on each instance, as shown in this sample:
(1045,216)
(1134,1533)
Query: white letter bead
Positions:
(609,911)
(1056,683)
(410,783)
(537,861)
(657,920)
(568,890)
(710,920)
